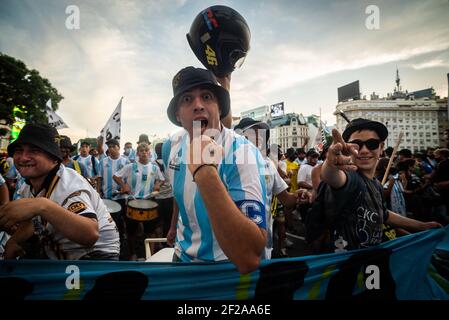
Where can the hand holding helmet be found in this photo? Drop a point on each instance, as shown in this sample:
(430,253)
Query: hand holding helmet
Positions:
(220,37)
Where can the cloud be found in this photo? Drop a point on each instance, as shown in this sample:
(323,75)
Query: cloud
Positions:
(430,64)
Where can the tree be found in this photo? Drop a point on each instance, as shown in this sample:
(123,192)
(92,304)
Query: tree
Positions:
(26,90)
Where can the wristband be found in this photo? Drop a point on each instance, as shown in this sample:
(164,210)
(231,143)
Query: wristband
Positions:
(201,166)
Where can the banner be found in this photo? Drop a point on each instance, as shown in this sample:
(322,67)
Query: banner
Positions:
(412,267)
(112,128)
(277,110)
(53,119)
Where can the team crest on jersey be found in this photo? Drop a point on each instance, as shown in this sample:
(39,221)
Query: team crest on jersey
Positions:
(77,207)
(175,163)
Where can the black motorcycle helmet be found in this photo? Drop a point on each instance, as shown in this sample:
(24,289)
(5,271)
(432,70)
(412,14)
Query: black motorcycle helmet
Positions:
(219,37)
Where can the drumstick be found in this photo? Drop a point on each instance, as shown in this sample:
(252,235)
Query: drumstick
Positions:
(392,157)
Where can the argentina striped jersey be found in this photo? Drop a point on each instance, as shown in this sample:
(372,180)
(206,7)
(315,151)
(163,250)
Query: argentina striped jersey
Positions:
(242,173)
(87,162)
(141,178)
(108,167)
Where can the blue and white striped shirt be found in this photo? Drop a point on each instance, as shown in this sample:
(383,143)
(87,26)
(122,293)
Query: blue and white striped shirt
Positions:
(131,156)
(141,178)
(87,162)
(242,173)
(108,167)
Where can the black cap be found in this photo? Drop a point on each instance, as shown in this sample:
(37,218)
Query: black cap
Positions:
(247,123)
(42,136)
(190,78)
(312,153)
(143,138)
(113,142)
(365,124)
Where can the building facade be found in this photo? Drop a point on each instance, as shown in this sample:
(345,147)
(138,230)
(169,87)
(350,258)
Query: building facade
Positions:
(260,113)
(422,121)
(290,130)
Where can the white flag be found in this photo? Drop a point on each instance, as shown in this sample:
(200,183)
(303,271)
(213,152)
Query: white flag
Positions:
(112,128)
(320,138)
(53,119)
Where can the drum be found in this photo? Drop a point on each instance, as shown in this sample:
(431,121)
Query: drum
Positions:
(114,207)
(142,210)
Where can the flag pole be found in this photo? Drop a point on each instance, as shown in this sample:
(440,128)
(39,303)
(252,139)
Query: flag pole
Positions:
(387,171)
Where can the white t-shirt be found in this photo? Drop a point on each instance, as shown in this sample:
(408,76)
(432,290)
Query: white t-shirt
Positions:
(74,193)
(305,174)
(283,166)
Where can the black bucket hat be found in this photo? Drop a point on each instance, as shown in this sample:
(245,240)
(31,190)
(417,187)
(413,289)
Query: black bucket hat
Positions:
(42,136)
(365,124)
(189,78)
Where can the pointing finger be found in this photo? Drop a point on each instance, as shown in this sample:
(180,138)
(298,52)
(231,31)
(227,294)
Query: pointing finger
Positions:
(336,136)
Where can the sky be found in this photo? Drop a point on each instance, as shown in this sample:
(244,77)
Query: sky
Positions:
(301,52)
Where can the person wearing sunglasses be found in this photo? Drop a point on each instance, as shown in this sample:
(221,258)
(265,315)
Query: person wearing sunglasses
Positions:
(349,171)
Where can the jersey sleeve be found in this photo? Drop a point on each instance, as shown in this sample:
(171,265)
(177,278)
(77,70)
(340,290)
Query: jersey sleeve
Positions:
(166,147)
(279,184)
(244,179)
(79,202)
(159,175)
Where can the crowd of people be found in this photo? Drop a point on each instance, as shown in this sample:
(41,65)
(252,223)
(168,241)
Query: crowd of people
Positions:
(216,193)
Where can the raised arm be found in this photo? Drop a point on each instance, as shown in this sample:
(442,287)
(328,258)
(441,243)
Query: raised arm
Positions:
(239,237)
(226,83)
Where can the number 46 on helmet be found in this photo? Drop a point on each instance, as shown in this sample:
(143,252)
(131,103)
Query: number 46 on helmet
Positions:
(219,36)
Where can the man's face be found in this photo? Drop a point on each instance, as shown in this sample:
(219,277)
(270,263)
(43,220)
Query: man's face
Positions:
(114,151)
(312,160)
(32,162)
(127,148)
(301,155)
(84,150)
(366,160)
(199,104)
(255,136)
(65,152)
(144,155)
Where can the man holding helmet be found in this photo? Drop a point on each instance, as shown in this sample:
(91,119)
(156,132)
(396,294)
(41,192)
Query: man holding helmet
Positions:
(220,200)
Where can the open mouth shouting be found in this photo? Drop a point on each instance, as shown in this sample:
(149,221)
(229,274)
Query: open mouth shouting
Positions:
(201,123)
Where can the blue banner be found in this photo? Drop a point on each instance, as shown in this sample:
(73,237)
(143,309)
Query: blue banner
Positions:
(411,267)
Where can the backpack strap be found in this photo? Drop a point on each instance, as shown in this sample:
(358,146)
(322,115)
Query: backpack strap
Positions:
(94,167)
(76,166)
